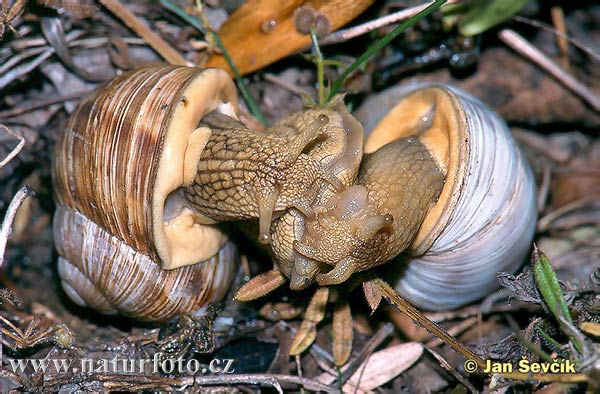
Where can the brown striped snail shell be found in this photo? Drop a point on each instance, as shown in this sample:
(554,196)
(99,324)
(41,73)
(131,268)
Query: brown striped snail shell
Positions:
(119,225)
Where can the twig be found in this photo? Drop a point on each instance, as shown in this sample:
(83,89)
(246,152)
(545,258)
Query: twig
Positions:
(346,34)
(544,187)
(406,307)
(136,382)
(16,149)
(297,90)
(454,331)
(541,25)
(53,30)
(25,69)
(39,104)
(446,365)
(545,222)
(526,342)
(365,352)
(520,44)
(558,19)
(6,76)
(6,228)
(163,48)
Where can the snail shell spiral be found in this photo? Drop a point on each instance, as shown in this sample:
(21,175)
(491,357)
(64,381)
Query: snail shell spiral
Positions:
(120,221)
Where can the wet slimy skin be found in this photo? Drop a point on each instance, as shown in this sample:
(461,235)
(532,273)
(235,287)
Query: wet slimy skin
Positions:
(372,222)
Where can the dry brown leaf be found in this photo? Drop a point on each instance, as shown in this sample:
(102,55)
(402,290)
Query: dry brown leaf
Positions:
(342,332)
(315,312)
(380,368)
(260,285)
(252,47)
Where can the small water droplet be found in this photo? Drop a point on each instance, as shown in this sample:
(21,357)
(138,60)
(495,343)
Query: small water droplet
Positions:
(268,25)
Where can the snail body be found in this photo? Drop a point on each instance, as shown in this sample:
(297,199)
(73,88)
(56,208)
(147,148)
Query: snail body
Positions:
(243,174)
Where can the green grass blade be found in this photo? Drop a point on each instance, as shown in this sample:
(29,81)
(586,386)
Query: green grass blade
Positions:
(549,287)
(484,14)
(381,44)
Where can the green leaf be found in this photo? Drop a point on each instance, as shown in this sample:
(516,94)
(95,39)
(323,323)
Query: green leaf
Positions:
(484,14)
(551,292)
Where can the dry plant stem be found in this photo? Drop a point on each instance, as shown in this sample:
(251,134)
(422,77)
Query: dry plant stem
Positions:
(133,382)
(406,307)
(25,69)
(315,350)
(540,144)
(298,91)
(541,25)
(16,149)
(165,50)
(39,104)
(515,327)
(347,34)
(544,187)
(53,30)
(381,335)
(446,365)
(558,19)
(92,42)
(6,228)
(545,222)
(8,71)
(418,317)
(522,46)
(454,331)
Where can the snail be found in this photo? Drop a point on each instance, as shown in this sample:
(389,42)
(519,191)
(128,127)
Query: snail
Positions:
(443,192)
(146,167)
(443,201)
(484,219)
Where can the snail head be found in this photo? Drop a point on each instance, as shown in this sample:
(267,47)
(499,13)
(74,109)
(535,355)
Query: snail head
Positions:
(340,239)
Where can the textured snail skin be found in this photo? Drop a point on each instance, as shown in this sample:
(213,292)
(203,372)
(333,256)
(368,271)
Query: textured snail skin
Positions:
(343,151)
(372,222)
(245,174)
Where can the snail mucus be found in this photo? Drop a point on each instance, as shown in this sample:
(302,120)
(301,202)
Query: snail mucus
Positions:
(152,161)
